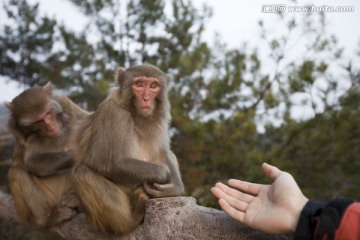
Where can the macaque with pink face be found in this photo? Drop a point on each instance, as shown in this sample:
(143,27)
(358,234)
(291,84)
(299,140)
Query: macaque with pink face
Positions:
(124,155)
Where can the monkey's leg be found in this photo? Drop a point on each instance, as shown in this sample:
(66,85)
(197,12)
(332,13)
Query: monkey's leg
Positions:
(68,203)
(30,202)
(107,206)
(138,200)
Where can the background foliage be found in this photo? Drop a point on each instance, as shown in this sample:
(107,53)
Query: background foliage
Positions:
(229,112)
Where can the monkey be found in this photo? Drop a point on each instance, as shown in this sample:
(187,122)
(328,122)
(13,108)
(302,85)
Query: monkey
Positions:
(44,126)
(124,156)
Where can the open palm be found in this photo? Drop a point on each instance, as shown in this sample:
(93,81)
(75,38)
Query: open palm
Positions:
(271,208)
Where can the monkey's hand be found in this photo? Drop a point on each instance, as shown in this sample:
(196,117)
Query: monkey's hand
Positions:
(70,201)
(156,190)
(161,176)
(63,214)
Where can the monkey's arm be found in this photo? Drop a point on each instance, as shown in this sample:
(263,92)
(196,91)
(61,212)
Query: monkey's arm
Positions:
(71,108)
(46,164)
(134,171)
(105,146)
(174,187)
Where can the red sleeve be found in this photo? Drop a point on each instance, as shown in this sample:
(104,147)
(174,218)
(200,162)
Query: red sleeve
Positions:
(350,224)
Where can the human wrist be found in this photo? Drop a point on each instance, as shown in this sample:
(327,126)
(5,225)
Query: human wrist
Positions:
(296,213)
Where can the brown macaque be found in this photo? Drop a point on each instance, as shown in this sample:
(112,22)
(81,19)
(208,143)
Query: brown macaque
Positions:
(44,125)
(124,155)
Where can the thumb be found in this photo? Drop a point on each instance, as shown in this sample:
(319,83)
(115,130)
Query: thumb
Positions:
(270,171)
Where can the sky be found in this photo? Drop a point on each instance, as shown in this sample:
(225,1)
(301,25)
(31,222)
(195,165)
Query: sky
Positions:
(235,21)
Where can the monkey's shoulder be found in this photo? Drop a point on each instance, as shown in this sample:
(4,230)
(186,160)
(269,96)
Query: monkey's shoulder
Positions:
(110,108)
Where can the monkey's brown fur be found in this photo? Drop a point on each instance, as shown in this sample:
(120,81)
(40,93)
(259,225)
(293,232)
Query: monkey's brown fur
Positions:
(124,158)
(40,172)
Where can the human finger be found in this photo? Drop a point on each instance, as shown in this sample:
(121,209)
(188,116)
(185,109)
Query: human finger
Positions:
(246,187)
(270,171)
(217,192)
(232,212)
(234,202)
(242,196)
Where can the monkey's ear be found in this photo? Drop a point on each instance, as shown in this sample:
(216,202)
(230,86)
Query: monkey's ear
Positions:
(169,78)
(120,75)
(9,105)
(48,88)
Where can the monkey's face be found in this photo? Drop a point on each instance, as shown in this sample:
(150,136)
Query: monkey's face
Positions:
(43,122)
(145,89)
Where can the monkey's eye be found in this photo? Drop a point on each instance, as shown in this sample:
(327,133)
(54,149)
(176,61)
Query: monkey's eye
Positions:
(42,117)
(39,120)
(154,85)
(138,83)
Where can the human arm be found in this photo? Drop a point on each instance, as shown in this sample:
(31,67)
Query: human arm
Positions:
(318,220)
(282,208)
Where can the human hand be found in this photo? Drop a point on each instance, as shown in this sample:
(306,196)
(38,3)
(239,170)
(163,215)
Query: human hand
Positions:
(271,208)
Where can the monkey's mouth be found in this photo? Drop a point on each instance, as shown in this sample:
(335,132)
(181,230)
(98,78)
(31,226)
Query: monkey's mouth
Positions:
(52,131)
(147,106)
(146,111)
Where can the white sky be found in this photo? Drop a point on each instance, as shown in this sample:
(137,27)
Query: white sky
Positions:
(236,22)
